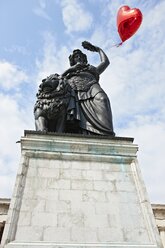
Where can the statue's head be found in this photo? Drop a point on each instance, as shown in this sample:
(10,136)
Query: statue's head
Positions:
(77,56)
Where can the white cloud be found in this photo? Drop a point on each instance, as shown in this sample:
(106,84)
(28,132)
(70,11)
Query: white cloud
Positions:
(75,17)
(13,121)
(17,49)
(15,117)
(40,10)
(149,135)
(6,185)
(55,60)
(10,75)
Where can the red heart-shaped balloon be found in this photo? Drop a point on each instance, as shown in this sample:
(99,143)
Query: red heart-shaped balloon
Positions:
(128,21)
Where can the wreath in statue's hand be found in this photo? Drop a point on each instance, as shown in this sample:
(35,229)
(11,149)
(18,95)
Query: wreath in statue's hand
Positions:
(87,45)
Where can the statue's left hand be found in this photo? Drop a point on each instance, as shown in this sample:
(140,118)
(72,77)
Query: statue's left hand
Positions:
(87,45)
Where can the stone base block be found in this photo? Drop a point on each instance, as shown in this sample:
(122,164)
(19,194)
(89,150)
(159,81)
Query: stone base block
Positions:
(77,191)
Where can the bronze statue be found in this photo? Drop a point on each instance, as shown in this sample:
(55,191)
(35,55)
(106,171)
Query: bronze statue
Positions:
(87,109)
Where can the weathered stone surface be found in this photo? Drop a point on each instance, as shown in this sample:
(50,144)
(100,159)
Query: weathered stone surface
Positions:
(79,192)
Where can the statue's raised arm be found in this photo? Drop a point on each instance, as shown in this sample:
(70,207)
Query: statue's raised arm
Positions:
(103,57)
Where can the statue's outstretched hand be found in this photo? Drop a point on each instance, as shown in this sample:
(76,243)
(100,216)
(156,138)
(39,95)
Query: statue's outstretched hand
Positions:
(87,45)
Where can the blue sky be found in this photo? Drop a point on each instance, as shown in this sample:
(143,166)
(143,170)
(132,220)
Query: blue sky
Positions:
(37,36)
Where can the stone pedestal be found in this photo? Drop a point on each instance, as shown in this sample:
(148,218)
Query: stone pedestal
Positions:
(77,191)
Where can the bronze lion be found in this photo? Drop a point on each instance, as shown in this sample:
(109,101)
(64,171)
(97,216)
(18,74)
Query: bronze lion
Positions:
(50,109)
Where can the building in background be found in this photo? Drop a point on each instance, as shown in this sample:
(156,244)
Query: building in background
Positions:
(4,206)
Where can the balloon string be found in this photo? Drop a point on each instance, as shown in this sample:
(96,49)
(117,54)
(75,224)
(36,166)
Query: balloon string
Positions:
(120,44)
(117,45)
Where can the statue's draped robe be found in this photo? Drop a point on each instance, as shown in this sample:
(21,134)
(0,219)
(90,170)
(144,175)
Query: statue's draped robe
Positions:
(92,111)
